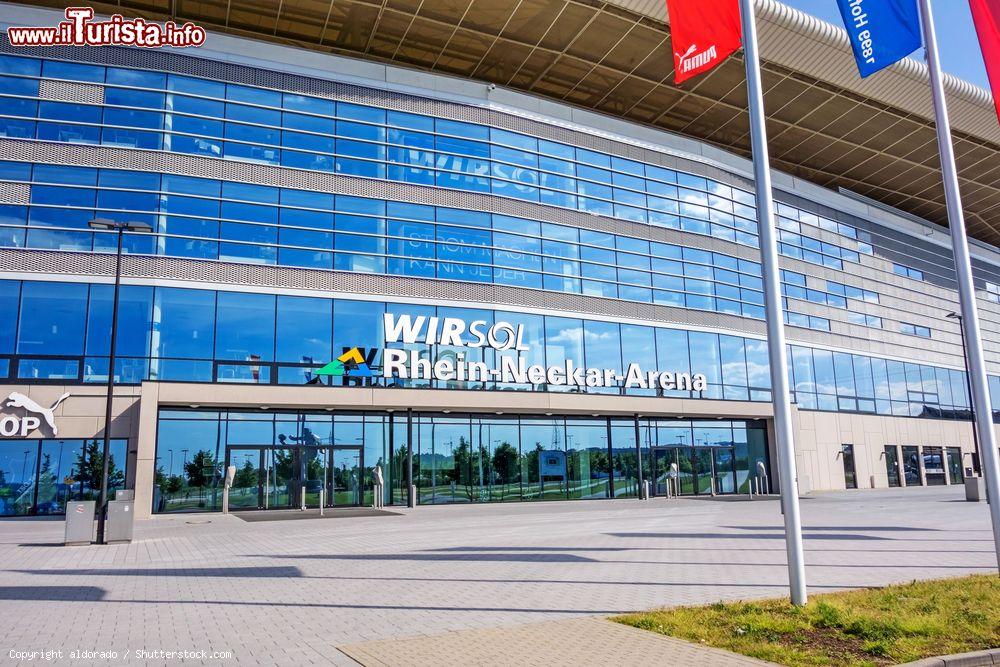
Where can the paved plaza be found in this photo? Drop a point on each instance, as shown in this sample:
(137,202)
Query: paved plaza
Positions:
(291,592)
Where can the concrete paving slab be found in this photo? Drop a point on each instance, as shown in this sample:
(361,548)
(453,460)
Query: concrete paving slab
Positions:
(260,590)
(581,642)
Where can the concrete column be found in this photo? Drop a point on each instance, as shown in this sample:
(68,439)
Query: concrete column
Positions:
(145,458)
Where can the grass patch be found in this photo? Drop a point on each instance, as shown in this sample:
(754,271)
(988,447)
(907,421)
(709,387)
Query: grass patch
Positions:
(875,626)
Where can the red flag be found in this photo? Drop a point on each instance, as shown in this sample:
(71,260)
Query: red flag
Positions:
(986,16)
(704,33)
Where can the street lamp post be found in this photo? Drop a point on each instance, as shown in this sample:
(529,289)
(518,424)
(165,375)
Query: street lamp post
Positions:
(968,387)
(105,224)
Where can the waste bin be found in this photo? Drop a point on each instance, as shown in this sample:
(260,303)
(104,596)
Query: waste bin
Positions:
(79,522)
(119,524)
(975,489)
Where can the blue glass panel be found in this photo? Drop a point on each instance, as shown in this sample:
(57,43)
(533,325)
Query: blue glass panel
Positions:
(460,129)
(304,330)
(357,324)
(310,259)
(307,199)
(411,121)
(186,323)
(18,65)
(312,161)
(55,69)
(463,217)
(13,86)
(134,312)
(48,369)
(10,295)
(602,348)
(19,129)
(305,239)
(307,104)
(245,327)
(250,95)
(196,206)
(53,316)
(359,112)
(248,192)
(313,219)
(145,202)
(68,132)
(12,215)
(136,78)
(263,154)
(192,186)
(195,145)
(127,97)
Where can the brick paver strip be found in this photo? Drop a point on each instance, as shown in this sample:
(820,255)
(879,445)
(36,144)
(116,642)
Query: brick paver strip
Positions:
(290,592)
(581,642)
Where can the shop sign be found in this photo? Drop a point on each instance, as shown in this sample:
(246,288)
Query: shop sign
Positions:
(35,414)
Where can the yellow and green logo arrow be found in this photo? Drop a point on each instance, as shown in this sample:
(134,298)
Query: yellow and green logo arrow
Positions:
(351,363)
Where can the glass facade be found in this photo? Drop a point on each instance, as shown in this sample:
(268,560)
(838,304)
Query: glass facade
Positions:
(55,330)
(193,335)
(41,476)
(176,113)
(282,458)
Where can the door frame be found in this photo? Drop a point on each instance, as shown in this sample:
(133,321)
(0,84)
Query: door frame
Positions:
(260,469)
(360,493)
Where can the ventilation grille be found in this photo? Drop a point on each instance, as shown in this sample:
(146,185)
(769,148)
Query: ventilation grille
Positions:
(14,193)
(70,91)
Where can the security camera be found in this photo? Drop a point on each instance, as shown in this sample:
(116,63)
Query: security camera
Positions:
(493,86)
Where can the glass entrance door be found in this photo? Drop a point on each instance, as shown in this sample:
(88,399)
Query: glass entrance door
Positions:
(314,471)
(247,491)
(281,478)
(699,470)
(661,473)
(955,472)
(892,465)
(725,474)
(348,467)
(703,467)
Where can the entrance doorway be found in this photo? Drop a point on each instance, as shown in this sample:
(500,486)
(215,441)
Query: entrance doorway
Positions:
(270,477)
(700,470)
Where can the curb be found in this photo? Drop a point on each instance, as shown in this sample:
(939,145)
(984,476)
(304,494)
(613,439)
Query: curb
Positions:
(974,659)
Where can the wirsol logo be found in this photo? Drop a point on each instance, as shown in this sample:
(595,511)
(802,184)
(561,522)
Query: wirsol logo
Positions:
(350,364)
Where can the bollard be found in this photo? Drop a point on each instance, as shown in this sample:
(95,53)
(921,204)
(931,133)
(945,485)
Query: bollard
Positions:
(322,499)
(302,495)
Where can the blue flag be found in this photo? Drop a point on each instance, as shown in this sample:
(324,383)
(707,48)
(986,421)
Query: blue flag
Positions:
(882,32)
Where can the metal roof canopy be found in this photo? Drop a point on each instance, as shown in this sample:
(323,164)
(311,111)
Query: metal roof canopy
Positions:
(874,137)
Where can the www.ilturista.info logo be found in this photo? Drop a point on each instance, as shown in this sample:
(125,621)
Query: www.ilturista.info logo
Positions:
(350,364)
(692,61)
(80,29)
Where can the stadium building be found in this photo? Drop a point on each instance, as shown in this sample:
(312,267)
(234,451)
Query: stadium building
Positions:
(488,237)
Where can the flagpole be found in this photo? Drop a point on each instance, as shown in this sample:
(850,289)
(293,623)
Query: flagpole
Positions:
(774,314)
(963,269)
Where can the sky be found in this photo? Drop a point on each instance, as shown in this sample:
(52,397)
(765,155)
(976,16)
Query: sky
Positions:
(956,35)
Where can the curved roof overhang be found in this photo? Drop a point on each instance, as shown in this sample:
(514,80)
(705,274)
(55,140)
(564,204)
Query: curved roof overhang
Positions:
(874,137)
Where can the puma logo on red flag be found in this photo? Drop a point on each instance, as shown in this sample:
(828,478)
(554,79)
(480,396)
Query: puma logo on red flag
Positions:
(695,24)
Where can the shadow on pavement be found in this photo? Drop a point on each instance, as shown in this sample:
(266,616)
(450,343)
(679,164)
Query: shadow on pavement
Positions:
(52,593)
(236,572)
